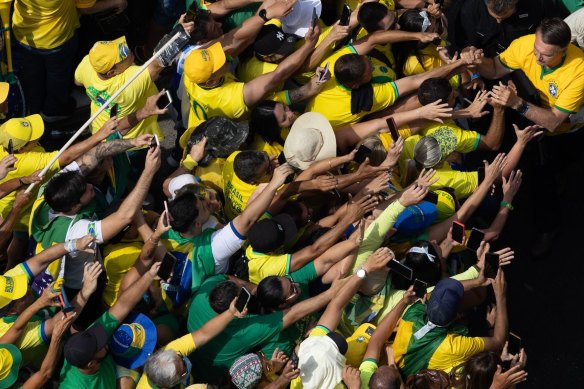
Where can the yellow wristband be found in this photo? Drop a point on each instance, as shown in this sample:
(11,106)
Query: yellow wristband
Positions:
(189,163)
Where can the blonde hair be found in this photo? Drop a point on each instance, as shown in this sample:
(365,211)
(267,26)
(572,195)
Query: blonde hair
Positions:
(378,152)
(427,152)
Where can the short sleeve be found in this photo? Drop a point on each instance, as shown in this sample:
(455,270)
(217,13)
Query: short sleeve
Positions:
(319,330)
(108,322)
(516,53)
(465,346)
(367,368)
(384,95)
(571,98)
(184,345)
(84,227)
(467,140)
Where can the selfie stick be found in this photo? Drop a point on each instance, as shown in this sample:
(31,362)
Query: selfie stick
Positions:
(103,107)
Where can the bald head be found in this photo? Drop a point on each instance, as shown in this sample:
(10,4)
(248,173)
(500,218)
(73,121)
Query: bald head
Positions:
(385,377)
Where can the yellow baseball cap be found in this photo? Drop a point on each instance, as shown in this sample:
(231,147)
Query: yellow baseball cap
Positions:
(21,131)
(201,64)
(358,344)
(10,359)
(4,89)
(12,288)
(105,54)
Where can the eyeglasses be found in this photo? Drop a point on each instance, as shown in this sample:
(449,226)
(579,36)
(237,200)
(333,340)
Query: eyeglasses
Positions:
(293,292)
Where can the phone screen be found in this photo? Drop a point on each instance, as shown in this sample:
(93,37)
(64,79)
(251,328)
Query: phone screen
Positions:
(420,288)
(164,100)
(324,72)
(242,299)
(392,129)
(362,153)
(345,15)
(114,111)
(458,232)
(431,197)
(10,147)
(513,344)
(154,142)
(314,17)
(475,239)
(400,269)
(167,266)
(491,265)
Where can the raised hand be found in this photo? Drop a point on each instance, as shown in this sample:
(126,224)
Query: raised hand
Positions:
(511,185)
(378,260)
(352,377)
(197,152)
(508,379)
(279,360)
(280,175)
(357,209)
(62,324)
(414,194)
(494,170)
(7,165)
(142,140)
(153,160)
(91,273)
(49,298)
(528,133)
(436,111)
(427,178)
(394,152)
(506,255)
(475,109)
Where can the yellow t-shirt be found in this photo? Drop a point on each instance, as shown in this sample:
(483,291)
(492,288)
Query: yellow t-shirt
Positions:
(452,137)
(27,163)
(253,68)
(264,265)
(46,24)
(223,100)
(184,346)
(236,191)
(260,144)
(118,258)
(130,100)
(560,87)
(426,60)
(212,175)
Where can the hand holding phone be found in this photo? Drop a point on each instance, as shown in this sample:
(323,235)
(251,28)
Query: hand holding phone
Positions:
(168,216)
(314,17)
(164,101)
(345,16)
(458,232)
(420,288)
(475,239)
(242,299)
(491,265)
(362,153)
(324,73)
(513,344)
(167,266)
(154,143)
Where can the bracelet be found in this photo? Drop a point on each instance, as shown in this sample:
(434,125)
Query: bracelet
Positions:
(507,204)
(474,76)
(71,245)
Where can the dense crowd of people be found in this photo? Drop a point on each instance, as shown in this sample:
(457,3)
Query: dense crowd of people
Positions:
(328,215)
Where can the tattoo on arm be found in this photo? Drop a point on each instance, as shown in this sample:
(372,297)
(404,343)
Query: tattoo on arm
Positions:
(298,94)
(89,161)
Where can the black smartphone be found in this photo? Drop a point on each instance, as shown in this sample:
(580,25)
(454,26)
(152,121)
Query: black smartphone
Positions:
(154,142)
(10,147)
(400,269)
(345,15)
(324,72)
(420,288)
(164,101)
(392,129)
(513,344)
(167,266)
(458,232)
(282,158)
(475,239)
(362,153)
(431,197)
(439,2)
(168,217)
(491,265)
(114,111)
(294,359)
(314,17)
(242,299)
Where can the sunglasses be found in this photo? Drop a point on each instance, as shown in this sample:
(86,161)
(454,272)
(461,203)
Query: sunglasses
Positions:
(293,292)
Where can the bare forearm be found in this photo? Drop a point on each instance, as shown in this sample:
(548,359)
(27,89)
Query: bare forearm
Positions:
(488,69)
(254,210)
(128,299)
(15,332)
(383,331)
(494,135)
(494,230)
(39,262)
(9,186)
(90,160)
(501,328)
(300,94)
(224,7)
(41,377)
(513,157)
(131,120)
(77,150)
(544,117)
(134,200)
(321,167)
(292,63)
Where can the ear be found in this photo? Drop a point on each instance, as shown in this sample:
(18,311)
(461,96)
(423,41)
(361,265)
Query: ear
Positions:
(112,72)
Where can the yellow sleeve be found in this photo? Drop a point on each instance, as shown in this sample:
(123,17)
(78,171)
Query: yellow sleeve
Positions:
(30,162)
(281,97)
(184,345)
(319,331)
(82,71)
(463,183)
(571,98)
(268,265)
(516,53)
(467,140)
(463,347)
(384,95)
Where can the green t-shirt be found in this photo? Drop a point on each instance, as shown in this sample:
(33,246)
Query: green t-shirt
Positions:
(212,361)
(105,378)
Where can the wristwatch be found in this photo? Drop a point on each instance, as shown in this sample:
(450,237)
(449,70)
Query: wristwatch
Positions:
(263,14)
(361,273)
(522,109)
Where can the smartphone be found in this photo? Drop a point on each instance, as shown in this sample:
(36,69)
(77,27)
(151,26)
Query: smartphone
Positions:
(10,147)
(431,197)
(392,129)
(114,111)
(164,101)
(420,288)
(513,344)
(475,239)
(242,299)
(168,217)
(491,265)
(400,269)
(282,158)
(154,143)
(345,15)
(167,266)
(325,71)
(362,153)
(439,2)
(458,232)
(314,17)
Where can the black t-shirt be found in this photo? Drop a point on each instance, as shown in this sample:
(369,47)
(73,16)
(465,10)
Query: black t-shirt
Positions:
(477,28)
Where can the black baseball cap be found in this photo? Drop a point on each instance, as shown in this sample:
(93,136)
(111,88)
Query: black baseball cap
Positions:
(268,234)
(443,305)
(81,347)
(272,40)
